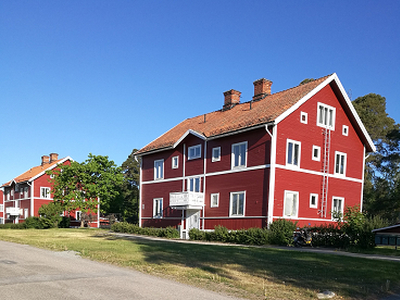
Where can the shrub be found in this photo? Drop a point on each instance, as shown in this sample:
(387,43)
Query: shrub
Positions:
(282,232)
(65,222)
(50,214)
(125,227)
(33,222)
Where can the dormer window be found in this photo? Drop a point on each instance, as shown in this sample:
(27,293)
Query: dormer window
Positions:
(326,116)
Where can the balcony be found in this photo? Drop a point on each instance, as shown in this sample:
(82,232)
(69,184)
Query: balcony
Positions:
(13,211)
(186,200)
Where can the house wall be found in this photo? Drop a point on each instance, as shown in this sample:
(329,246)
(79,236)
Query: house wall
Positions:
(308,177)
(219,178)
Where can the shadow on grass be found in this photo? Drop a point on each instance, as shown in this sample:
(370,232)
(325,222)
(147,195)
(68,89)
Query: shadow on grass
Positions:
(352,277)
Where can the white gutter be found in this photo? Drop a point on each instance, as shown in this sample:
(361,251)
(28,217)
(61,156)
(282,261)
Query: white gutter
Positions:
(140,192)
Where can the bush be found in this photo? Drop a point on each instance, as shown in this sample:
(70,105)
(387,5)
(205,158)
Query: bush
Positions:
(282,232)
(50,214)
(124,227)
(65,222)
(33,222)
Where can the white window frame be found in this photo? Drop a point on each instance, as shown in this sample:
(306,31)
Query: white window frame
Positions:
(26,213)
(340,169)
(159,169)
(1,207)
(45,193)
(175,162)
(78,215)
(345,130)
(194,152)
(7,195)
(214,196)
(305,115)
(192,183)
(315,196)
(231,202)
(244,155)
(285,208)
(318,157)
(326,120)
(158,209)
(26,191)
(334,209)
(290,160)
(217,151)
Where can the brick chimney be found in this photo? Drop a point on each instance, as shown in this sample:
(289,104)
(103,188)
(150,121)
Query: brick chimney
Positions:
(45,159)
(232,97)
(53,157)
(262,87)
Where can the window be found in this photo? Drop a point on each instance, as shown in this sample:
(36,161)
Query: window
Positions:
(214,200)
(345,130)
(340,163)
(291,204)
(194,152)
(158,169)
(1,207)
(26,192)
(45,192)
(7,194)
(175,162)
(313,200)
(216,154)
(239,152)
(326,116)
(303,117)
(157,208)
(316,153)
(78,215)
(293,153)
(193,184)
(1,221)
(236,207)
(337,207)
(25,213)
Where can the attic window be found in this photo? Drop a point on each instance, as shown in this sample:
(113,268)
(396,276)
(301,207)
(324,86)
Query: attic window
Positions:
(303,117)
(345,130)
(326,116)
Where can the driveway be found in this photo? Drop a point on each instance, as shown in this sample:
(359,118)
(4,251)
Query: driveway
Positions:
(31,273)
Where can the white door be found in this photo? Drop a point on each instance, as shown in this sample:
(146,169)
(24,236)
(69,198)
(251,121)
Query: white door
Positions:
(192,219)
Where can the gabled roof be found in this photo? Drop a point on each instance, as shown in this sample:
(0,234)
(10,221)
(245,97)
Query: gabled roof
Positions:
(271,109)
(36,172)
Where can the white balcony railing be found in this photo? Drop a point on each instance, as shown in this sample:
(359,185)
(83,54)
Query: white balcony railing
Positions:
(186,200)
(14,211)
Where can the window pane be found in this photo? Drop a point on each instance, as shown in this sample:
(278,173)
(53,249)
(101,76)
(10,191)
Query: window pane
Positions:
(321,113)
(234,204)
(331,117)
(296,155)
(290,153)
(325,115)
(241,204)
(337,163)
(342,164)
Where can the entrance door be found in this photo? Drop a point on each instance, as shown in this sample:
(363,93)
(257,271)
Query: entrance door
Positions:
(192,219)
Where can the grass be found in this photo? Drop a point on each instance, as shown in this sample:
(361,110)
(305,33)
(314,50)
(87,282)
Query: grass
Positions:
(254,273)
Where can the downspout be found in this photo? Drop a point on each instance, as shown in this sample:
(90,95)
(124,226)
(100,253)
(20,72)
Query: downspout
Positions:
(140,191)
(271,188)
(31,202)
(362,183)
(183,225)
(204,184)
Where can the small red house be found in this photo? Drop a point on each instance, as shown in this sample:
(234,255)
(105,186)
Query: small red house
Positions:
(26,193)
(297,154)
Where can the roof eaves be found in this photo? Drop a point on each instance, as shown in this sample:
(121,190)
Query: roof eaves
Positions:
(190,131)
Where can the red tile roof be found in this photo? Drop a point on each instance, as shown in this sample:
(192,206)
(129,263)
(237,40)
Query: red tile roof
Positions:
(33,172)
(236,118)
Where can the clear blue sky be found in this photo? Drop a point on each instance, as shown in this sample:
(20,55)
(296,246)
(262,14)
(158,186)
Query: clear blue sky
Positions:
(105,77)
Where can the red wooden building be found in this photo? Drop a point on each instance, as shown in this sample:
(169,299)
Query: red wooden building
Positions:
(1,206)
(296,154)
(26,193)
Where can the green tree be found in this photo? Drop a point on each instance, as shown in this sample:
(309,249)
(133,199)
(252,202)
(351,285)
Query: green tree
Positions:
(130,188)
(381,184)
(50,214)
(79,186)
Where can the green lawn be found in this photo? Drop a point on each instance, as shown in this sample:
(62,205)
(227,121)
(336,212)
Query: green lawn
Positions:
(254,273)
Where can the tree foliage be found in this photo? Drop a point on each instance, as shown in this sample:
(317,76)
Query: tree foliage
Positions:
(79,186)
(382,173)
(130,188)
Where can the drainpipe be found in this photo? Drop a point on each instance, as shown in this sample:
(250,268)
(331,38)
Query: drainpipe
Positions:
(362,183)
(140,191)
(271,188)
(31,198)
(203,211)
